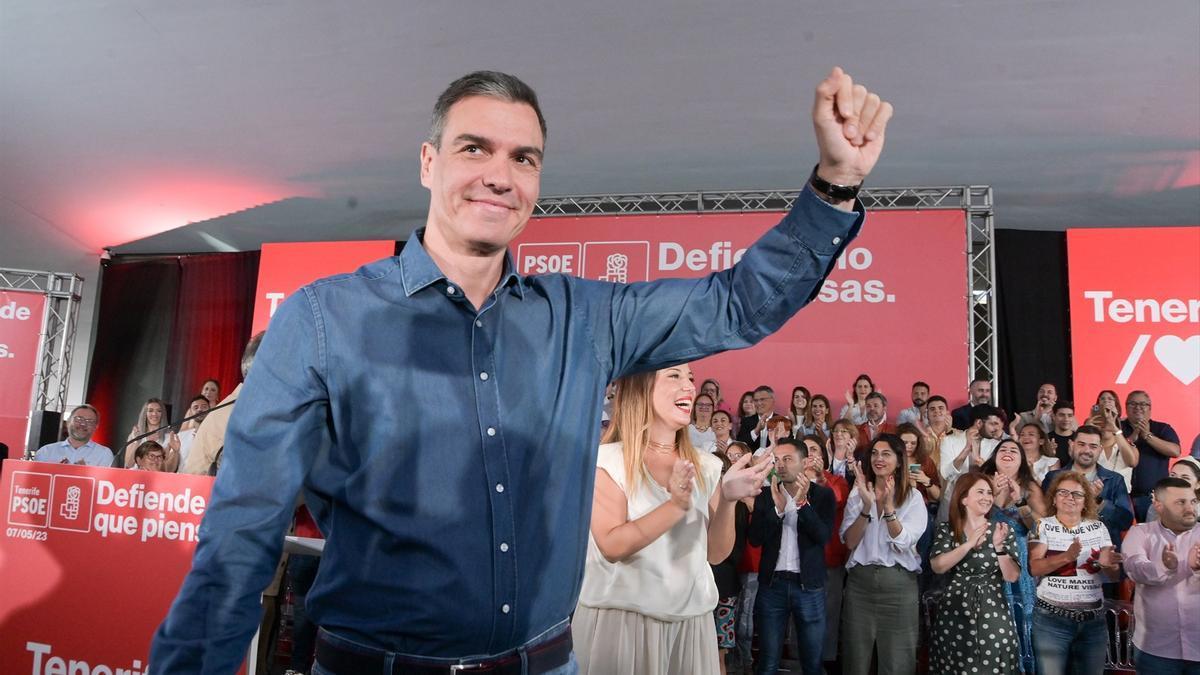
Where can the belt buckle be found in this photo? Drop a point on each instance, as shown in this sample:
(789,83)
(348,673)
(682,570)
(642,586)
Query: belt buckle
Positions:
(463,667)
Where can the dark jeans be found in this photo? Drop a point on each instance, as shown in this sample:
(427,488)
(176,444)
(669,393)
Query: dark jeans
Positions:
(1067,647)
(301,571)
(1149,664)
(1141,504)
(787,599)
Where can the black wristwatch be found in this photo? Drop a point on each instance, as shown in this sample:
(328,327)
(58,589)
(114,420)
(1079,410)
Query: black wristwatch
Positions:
(838,193)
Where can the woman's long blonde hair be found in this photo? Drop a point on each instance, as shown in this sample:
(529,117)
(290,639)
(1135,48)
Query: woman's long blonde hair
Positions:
(632,412)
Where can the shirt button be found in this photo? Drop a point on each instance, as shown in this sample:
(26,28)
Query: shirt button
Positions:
(837,240)
(503,547)
(491,431)
(483,376)
(449,290)
(504,608)
(478,324)
(499,487)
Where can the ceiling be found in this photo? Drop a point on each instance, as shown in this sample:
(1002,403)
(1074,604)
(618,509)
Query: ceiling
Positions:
(123,121)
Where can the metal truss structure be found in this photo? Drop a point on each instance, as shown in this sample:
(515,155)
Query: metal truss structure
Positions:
(974,200)
(62,292)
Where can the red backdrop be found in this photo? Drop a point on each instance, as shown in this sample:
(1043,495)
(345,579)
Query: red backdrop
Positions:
(88,564)
(20,333)
(1135,318)
(283,268)
(895,307)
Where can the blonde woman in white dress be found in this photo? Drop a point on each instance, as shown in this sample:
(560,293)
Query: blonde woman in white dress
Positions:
(662,513)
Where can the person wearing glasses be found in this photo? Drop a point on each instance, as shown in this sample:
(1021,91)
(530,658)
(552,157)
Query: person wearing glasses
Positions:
(1156,443)
(1113,507)
(149,456)
(884,519)
(1071,551)
(78,447)
(700,430)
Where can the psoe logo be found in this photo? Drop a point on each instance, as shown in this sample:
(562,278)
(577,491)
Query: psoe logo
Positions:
(29,499)
(71,499)
(621,262)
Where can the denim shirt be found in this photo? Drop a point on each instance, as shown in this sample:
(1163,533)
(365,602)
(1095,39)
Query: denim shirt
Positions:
(449,454)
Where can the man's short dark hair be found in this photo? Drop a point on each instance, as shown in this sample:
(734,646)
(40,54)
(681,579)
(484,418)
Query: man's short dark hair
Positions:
(1060,404)
(919,383)
(764,388)
(983,411)
(1087,429)
(197,397)
(977,380)
(490,84)
(881,397)
(250,350)
(801,448)
(938,399)
(1170,482)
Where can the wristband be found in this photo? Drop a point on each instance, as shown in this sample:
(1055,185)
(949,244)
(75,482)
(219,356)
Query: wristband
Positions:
(889,516)
(839,193)
(866,515)
(1001,552)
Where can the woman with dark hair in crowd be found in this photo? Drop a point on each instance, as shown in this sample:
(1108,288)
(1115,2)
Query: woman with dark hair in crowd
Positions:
(700,429)
(211,390)
(835,549)
(1018,504)
(1069,550)
(745,410)
(840,454)
(662,513)
(152,417)
(818,418)
(855,409)
(722,426)
(1107,398)
(713,388)
(1186,468)
(725,573)
(1039,454)
(884,519)
(973,631)
(798,410)
(149,456)
(924,476)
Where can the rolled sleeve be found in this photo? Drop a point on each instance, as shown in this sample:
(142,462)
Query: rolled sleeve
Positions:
(913,519)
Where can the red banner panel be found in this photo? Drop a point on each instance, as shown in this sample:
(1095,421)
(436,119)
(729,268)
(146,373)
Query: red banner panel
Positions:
(20,334)
(895,307)
(90,560)
(1135,318)
(283,268)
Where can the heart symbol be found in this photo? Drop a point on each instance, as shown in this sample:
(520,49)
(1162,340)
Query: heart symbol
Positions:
(1180,357)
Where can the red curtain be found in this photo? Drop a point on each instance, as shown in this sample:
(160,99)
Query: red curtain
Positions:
(165,325)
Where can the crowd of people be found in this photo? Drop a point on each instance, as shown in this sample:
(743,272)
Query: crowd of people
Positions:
(1014,528)
(192,444)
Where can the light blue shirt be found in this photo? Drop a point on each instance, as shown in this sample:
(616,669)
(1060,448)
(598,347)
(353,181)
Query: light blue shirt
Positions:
(92,453)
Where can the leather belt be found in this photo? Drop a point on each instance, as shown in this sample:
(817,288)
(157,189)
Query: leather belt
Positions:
(542,657)
(1068,613)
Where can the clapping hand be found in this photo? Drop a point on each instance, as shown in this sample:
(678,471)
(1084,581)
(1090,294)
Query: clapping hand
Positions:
(1074,549)
(864,491)
(743,479)
(1194,557)
(679,485)
(978,536)
(1109,558)
(998,536)
(1169,559)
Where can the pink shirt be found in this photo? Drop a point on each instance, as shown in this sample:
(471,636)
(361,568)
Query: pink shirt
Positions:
(1166,607)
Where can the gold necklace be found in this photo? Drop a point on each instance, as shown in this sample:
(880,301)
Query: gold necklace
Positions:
(660,448)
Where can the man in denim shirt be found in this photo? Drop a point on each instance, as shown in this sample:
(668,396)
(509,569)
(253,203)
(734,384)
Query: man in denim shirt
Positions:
(467,548)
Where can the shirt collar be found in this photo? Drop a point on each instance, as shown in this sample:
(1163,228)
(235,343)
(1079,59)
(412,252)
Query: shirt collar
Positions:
(418,270)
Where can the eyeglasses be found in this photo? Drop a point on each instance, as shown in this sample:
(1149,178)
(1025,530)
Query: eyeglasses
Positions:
(155,457)
(1077,496)
(762,400)
(1138,404)
(703,406)
(83,421)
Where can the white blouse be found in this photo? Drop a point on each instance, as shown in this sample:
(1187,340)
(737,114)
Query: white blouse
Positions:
(670,579)
(878,546)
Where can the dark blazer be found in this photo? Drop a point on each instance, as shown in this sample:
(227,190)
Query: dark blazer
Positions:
(745,426)
(1116,510)
(814,526)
